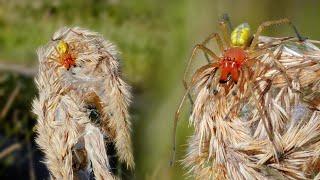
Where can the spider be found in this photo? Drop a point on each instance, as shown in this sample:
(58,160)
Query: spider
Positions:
(66,55)
(67,59)
(239,53)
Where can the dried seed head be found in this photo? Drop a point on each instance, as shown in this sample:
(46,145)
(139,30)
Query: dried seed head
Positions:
(231,139)
(66,95)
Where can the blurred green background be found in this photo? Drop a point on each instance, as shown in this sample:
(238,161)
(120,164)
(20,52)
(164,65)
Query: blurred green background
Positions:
(155,38)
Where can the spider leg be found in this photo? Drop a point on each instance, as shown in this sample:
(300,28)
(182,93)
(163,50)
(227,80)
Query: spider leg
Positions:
(217,38)
(56,49)
(264,115)
(56,56)
(80,34)
(65,33)
(277,64)
(61,36)
(266,24)
(177,114)
(225,17)
(203,68)
(72,46)
(206,51)
(219,42)
(225,33)
(262,110)
(248,94)
(54,59)
(76,46)
(275,58)
(176,118)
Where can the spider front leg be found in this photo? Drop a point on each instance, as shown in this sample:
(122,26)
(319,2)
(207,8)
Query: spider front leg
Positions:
(64,34)
(219,42)
(55,56)
(225,33)
(259,104)
(264,115)
(248,94)
(266,24)
(225,19)
(187,93)
(206,51)
(175,122)
(217,38)
(276,63)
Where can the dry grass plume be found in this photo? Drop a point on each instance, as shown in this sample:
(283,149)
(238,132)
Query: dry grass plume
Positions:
(231,140)
(74,144)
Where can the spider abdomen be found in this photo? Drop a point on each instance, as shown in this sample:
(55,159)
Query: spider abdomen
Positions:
(240,36)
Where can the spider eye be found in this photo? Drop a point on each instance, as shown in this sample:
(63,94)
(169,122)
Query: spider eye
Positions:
(62,47)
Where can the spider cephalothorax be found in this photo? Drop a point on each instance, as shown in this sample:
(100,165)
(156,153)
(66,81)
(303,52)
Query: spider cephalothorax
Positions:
(232,60)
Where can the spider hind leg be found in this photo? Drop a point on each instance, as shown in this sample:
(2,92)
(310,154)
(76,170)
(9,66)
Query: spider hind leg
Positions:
(267,24)
(299,36)
(226,18)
